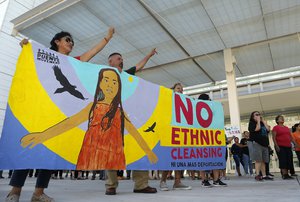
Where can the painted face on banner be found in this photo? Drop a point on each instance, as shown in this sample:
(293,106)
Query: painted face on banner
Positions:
(109,84)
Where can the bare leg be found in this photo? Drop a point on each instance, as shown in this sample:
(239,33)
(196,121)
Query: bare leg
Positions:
(38,191)
(16,190)
(177,177)
(164,176)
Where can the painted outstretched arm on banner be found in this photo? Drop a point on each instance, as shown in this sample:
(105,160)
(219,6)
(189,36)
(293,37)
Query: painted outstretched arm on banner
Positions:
(140,140)
(33,139)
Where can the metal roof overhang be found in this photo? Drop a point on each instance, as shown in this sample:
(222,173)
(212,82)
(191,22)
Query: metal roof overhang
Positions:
(263,35)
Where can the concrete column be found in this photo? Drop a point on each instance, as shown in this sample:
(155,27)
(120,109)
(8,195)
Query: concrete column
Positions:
(232,89)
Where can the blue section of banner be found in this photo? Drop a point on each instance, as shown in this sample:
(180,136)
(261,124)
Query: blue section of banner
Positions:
(70,85)
(13,155)
(216,107)
(184,158)
(88,76)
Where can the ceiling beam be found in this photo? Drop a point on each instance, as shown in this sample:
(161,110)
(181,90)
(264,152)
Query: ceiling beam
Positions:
(173,38)
(267,35)
(102,20)
(236,48)
(212,22)
(39,13)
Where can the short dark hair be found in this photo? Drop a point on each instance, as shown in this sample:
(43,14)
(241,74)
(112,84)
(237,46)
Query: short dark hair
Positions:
(58,36)
(114,54)
(277,118)
(203,97)
(294,128)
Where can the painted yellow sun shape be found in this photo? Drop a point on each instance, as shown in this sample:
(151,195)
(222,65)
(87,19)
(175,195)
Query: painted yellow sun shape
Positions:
(130,79)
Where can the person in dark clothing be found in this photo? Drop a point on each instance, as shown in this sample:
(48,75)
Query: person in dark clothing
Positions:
(283,146)
(236,151)
(216,172)
(259,130)
(120,174)
(57,173)
(1,176)
(101,174)
(245,154)
(271,153)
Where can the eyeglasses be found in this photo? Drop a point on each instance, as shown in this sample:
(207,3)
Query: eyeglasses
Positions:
(69,40)
(256,114)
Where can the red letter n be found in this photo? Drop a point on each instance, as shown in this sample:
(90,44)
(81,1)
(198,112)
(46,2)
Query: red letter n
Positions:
(187,112)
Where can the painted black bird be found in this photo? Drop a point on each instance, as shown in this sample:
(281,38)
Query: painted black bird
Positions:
(66,84)
(151,128)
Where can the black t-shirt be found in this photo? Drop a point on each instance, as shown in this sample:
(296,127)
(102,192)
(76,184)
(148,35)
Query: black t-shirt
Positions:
(245,150)
(235,150)
(131,70)
(261,136)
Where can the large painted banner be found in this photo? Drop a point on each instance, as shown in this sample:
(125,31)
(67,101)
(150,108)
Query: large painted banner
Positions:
(66,114)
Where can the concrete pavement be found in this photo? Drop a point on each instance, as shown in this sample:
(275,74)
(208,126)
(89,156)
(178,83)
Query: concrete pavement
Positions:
(239,189)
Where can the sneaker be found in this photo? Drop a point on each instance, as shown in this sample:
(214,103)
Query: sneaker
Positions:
(181,186)
(41,198)
(258,178)
(163,186)
(12,198)
(206,184)
(170,177)
(287,177)
(268,178)
(219,183)
(270,174)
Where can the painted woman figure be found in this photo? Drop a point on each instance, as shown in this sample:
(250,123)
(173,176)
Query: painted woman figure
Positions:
(63,43)
(102,146)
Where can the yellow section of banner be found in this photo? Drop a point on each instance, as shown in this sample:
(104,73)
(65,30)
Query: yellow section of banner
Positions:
(161,116)
(33,107)
(193,137)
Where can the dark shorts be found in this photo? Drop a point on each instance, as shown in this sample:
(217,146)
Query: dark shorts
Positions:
(285,157)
